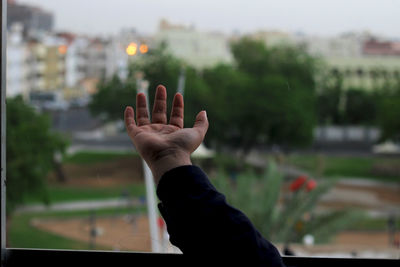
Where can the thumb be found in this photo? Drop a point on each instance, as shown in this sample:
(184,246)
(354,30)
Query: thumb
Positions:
(201,123)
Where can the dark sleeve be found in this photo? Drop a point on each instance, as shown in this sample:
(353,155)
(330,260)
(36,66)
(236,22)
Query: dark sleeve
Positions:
(205,227)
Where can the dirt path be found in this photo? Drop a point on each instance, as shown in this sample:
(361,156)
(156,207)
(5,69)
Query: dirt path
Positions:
(368,239)
(351,244)
(378,198)
(131,233)
(127,232)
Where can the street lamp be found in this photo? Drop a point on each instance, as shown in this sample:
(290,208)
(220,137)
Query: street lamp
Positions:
(142,87)
(62,49)
(143,48)
(131,49)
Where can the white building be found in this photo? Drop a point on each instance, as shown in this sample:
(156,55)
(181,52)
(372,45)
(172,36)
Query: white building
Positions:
(75,62)
(17,55)
(273,38)
(88,60)
(199,49)
(342,46)
(347,55)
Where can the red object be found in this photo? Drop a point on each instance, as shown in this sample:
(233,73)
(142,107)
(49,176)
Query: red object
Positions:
(298,183)
(160,223)
(311,184)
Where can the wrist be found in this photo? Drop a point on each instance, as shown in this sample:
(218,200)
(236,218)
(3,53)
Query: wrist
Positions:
(168,161)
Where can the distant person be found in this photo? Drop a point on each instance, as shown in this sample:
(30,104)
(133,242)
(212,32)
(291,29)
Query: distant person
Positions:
(199,221)
(391,224)
(287,251)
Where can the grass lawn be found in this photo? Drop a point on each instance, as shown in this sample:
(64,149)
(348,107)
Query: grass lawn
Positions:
(87,160)
(371,224)
(21,234)
(91,157)
(346,166)
(59,193)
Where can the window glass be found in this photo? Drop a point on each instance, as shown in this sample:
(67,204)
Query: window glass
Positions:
(303,101)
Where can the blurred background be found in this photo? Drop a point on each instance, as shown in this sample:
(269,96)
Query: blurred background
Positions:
(303,100)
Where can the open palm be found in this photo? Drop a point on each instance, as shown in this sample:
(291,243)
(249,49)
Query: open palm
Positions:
(157,140)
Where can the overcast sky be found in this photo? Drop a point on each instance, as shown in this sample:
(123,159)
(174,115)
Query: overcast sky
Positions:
(322,17)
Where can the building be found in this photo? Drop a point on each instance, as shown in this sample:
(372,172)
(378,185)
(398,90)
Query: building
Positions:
(360,59)
(17,68)
(342,46)
(199,49)
(74,62)
(374,47)
(88,60)
(46,66)
(35,58)
(34,19)
(273,38)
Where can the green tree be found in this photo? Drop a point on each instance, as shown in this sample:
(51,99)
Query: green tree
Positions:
(388,113)
(30,148)
(258,197)
(329,98)
(268,97)
(358,101)
(339,105)
(112,97)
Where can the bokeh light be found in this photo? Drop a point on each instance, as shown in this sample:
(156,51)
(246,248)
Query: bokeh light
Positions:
(143,48)
(131,49)
(62,49)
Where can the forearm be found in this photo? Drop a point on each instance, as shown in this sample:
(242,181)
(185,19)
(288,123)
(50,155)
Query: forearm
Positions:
(199,220)
(171,159)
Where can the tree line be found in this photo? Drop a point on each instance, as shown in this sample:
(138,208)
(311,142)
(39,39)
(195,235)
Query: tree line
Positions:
(267,96)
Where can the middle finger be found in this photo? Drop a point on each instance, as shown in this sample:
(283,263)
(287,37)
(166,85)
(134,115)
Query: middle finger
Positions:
(160,106)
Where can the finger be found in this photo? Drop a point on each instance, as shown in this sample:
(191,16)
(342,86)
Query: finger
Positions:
(201,123)
(142,117)
(129,118)
(177,111)
(160,106)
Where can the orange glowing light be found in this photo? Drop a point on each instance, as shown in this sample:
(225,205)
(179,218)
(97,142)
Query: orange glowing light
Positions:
(62,49)
(143,48)
(131,49)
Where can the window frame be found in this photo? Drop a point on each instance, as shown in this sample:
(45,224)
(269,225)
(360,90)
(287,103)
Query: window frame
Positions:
(3,80)
(50,257)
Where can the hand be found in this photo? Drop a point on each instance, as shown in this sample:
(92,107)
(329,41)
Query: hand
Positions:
(164,146)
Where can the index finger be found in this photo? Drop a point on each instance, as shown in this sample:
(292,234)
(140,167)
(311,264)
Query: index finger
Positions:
(129,118)
(142,116)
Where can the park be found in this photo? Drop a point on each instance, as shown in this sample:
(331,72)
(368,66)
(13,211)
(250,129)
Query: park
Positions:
(88,189)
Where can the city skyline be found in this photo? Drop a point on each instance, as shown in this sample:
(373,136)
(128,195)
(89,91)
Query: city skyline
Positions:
(309,16)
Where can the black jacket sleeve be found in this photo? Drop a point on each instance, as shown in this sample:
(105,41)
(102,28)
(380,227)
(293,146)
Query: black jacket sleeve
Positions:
(206,228)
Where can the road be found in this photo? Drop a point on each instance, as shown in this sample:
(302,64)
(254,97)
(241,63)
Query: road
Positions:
(83,205)
(90,133)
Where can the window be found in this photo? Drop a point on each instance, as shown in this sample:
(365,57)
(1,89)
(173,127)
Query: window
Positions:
(96,184)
